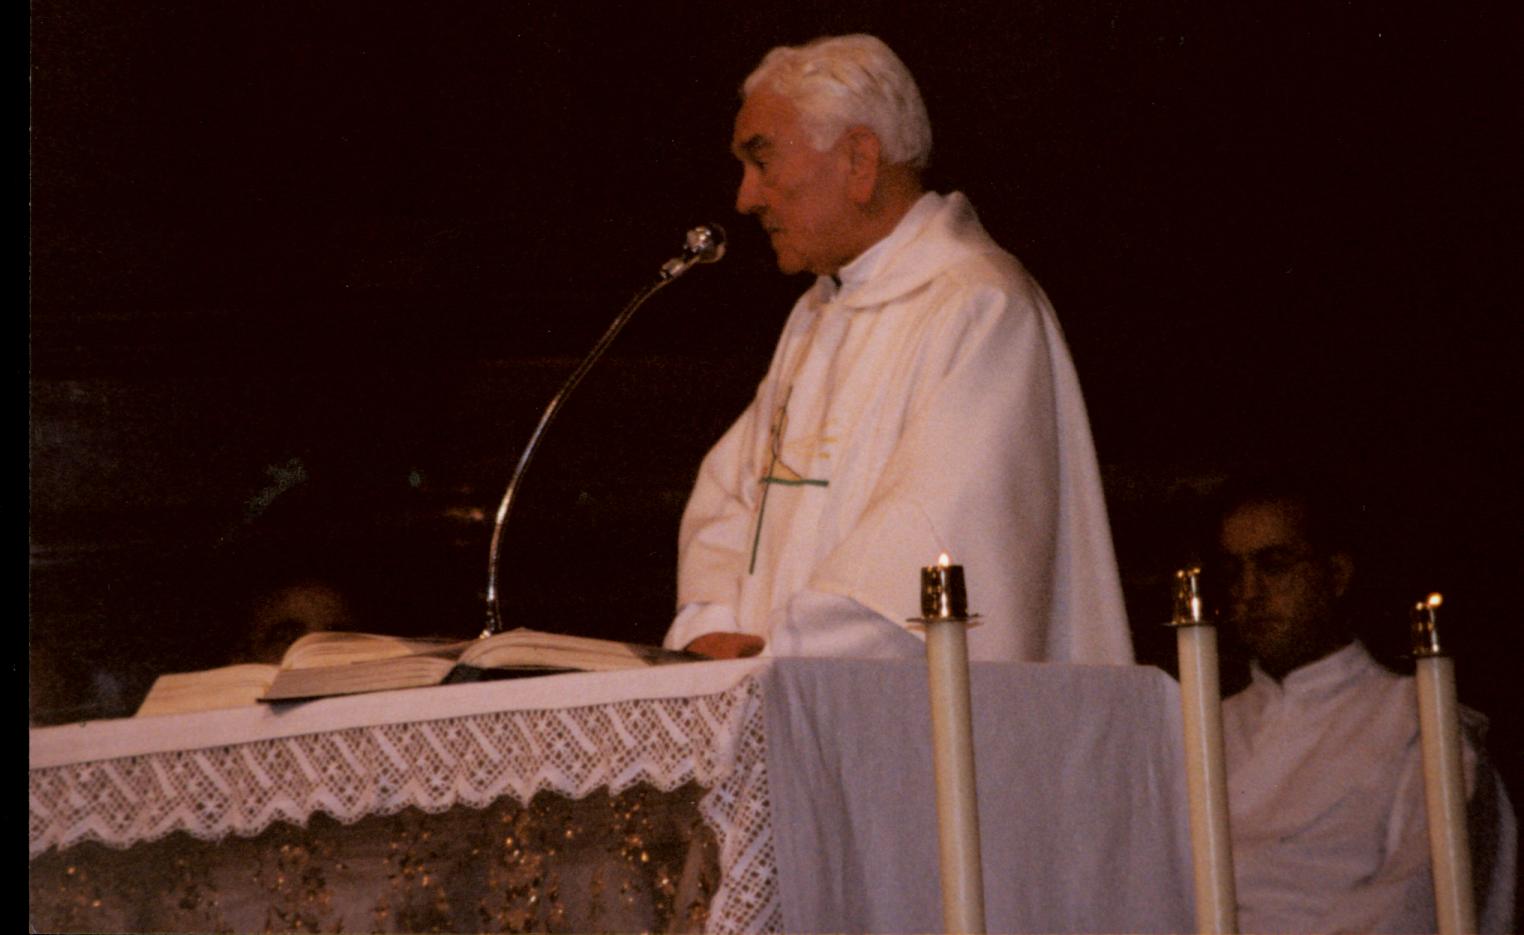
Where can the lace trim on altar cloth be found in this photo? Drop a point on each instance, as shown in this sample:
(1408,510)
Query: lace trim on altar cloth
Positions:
(715,741)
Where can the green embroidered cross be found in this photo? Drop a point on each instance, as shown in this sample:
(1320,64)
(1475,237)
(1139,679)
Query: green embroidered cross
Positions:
(778,472)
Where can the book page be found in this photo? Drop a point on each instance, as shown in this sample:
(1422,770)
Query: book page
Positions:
(352,678)
(521,648)
(335,648)
(208,690)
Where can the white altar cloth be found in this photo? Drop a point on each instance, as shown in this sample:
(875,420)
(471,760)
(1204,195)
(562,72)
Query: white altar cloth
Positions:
(818,777)
(1082,806)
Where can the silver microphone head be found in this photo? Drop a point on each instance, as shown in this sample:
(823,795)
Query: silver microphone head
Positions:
(704,244)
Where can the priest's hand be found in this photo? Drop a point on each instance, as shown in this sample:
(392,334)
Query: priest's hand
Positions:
(726,645)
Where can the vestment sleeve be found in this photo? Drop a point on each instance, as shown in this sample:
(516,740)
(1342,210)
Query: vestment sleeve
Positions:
(974,473)
(711,541)
(694,620)
(1399,896)
(818,624)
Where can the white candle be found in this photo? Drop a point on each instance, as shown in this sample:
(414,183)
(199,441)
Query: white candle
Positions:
(1205,769)
(953,757)
(1444,783)
(944,609)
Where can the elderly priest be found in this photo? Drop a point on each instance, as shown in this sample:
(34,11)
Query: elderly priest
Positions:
(920,401)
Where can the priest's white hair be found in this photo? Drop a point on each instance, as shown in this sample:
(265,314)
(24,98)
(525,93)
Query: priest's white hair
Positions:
(842,81)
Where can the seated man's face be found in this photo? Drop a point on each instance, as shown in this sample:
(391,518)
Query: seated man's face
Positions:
(1281,590)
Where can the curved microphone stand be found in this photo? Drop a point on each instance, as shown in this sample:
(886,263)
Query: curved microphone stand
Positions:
(702,245)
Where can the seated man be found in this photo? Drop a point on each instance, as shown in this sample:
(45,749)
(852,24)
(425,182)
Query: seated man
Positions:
(921,401)
(1325,772)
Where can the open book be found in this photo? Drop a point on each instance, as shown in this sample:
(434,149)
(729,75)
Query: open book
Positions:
(337,663)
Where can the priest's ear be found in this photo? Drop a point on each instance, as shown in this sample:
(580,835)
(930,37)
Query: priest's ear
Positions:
(864,160)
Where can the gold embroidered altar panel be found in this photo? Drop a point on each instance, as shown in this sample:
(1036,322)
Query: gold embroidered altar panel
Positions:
(642,860)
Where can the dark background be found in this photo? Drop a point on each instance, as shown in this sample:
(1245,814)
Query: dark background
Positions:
(303,276)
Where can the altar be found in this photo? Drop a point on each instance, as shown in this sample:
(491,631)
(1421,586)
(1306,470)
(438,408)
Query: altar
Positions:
(756,795)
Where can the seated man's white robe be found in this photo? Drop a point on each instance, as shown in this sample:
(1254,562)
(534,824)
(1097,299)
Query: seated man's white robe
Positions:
(1326,805)
(926,405)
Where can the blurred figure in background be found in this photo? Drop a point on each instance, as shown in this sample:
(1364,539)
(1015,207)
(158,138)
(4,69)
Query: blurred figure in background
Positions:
(281,616)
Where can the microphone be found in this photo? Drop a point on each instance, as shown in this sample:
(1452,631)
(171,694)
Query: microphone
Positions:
(704,244)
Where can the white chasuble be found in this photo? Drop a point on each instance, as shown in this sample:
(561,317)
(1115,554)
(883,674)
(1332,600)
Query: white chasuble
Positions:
(926,404)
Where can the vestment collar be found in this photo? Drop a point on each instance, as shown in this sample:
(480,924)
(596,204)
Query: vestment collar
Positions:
(936,232)
(1325,676)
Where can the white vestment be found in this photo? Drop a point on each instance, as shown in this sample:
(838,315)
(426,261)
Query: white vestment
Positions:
(926,405)
(1326,804)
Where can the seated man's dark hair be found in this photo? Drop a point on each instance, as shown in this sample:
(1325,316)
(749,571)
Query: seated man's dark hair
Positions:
(1329,513)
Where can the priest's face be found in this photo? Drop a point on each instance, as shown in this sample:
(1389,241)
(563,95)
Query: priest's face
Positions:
(797,192)
(1282,590)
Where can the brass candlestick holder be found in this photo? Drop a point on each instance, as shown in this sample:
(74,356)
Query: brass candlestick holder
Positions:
(1190,610)
(944,595)
(1425,628)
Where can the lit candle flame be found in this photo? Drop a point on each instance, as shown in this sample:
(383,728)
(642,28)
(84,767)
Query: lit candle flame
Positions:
(943,560)
(1436,599)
